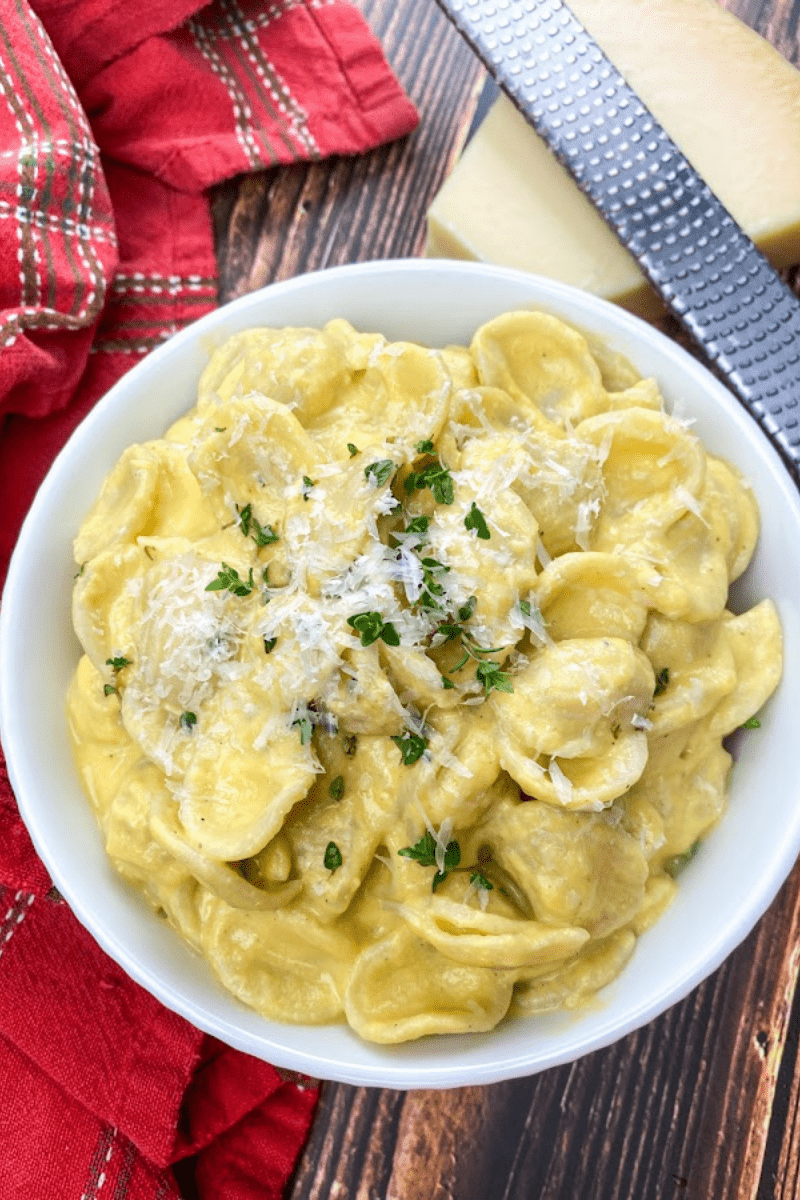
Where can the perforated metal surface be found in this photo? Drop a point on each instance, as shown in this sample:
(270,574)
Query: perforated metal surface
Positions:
(704,266)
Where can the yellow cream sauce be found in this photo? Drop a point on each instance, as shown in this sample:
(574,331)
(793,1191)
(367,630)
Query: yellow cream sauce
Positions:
(407,672)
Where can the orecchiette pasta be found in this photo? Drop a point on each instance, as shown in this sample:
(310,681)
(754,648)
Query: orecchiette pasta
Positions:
(406,672)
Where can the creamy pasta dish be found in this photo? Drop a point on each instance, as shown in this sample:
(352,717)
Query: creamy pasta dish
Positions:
(406,671)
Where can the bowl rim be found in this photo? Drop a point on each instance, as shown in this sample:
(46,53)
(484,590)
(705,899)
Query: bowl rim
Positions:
(397,1068)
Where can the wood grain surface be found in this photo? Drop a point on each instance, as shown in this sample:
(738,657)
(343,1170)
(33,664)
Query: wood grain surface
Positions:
(703,1103)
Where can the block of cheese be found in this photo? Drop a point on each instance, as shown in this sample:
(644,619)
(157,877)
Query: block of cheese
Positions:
(725,95)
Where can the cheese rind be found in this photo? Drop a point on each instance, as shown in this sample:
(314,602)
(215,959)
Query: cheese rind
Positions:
(723,93)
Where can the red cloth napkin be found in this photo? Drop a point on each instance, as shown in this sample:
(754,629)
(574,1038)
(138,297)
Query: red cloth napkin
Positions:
(114,118)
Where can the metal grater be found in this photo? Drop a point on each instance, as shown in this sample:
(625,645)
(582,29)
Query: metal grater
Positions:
(704,266)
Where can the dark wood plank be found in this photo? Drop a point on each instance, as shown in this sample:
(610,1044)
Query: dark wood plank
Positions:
(279,223)
(679,1108)
(705,1101)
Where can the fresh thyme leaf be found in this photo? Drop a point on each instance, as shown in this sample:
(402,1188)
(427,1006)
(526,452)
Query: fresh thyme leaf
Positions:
(371,626)
(263,535)
(477,521)
(441,484)
(269,644)
(118,663)
(442,489)
(353,449)
(477,651)
(109,689)
(389,634)
(418,525)
(380,471)
(188,721)
(368,625)
(426,600)
(245,515)
(436,477)
(333,857)
(431,567)
(423,851)
(491,676)
(662,679)
(480,880)
(307,486)
(228,580)
(466,610)
(452,855)
(220,428)
(412,746)
(447,683)
(336,790)
(425,447)
(674,865)
(751,723)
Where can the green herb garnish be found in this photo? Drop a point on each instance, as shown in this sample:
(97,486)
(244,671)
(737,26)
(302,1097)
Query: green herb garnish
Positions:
(245,515)
(674,865)
(262,535)
(492,677)
(109,689)
(467,610)
(307,486)
(228,581)
(333,857)
(424,852)
(436,477)
(336,790)
(371,626)
(662,679)
(118,663)
(269,644)
(380,471)
(480,881)
(425,447)
(412,746)
(353,449)
(751,723)
(477,521)
(418,525)
(188,721)
(432,588)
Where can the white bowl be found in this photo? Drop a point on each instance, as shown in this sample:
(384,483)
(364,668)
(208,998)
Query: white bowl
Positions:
(723,891)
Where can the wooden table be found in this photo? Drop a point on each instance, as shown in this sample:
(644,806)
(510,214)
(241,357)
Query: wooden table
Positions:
(705,1101)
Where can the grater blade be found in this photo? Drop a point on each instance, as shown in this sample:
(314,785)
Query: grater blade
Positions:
(703,265)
